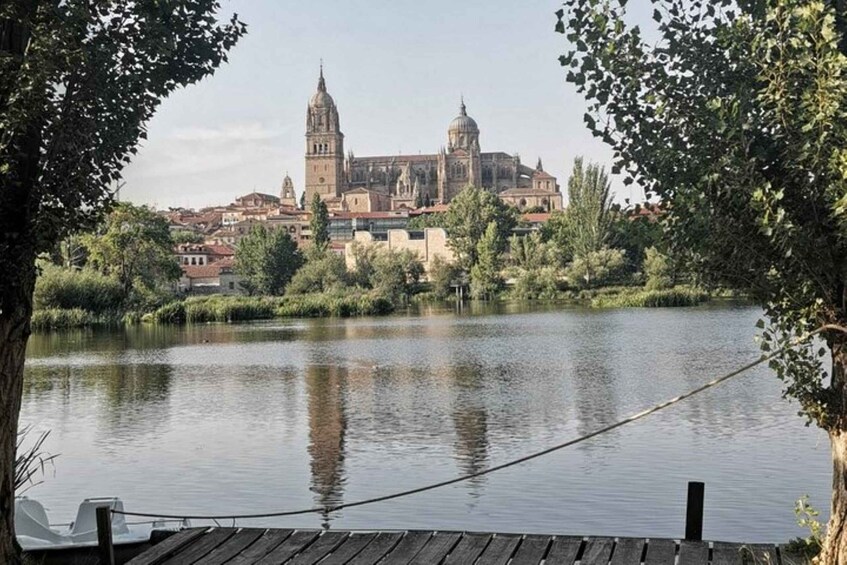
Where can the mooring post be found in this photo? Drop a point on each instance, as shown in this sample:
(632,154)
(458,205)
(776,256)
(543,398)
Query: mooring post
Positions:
(694,512)
(106,550)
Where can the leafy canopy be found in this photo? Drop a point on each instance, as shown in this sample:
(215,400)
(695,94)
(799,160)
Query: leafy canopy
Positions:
(319,223)
(468,217)
(267,259)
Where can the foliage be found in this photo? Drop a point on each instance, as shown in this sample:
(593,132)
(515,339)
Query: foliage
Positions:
(242,308)
(396,274)
(323,272)
(634,233)
(319,223)
(468,218)
(442,275)
(529,252)
(734,118)
(658,270)
(364,256)
(135,247)
(486,280)
(62,318)
(85,289)
(596,268)
(267,259)
(537,284)
(807,517)
(303,200)
(70,253)
(535,267)
(30,461)
(423,221)
(589,204)
(636,298)
(180,237)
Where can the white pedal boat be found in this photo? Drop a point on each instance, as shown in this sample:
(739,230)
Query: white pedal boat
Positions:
(35,533)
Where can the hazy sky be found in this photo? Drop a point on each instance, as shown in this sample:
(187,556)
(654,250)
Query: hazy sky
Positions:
(396,70)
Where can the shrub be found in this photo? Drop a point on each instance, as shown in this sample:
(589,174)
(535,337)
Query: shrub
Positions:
(596,268)
(658,270)
(322,272)
(675,297)
(86,289)
(61,318)
(442,275)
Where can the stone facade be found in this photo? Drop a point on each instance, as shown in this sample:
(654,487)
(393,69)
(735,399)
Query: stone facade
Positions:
(430,243)
(411,181)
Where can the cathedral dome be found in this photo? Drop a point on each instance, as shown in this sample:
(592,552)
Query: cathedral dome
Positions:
(463,123)
(321,98)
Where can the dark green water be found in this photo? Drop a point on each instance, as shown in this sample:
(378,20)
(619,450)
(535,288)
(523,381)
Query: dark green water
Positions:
(284,415)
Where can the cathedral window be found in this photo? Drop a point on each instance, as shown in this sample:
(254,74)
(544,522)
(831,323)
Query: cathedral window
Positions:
(194,260)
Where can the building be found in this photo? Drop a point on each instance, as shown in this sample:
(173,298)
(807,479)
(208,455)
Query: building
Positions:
(211,278)
(257,200)
(191,254)
(427,244)
(395,182)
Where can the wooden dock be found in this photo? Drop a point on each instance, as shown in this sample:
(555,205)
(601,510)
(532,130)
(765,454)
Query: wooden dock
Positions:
(248,546)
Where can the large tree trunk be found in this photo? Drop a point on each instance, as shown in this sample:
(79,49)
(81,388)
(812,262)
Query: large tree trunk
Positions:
(834,550)
(14,332)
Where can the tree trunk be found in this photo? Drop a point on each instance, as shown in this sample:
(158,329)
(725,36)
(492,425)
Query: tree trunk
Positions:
(14,332)
(834,551)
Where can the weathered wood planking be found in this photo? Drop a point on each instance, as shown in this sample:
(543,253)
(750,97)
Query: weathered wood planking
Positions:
(252,546)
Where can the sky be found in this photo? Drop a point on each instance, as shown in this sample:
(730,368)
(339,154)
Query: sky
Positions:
(396,70)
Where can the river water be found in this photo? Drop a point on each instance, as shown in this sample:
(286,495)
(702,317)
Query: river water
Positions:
(289,414)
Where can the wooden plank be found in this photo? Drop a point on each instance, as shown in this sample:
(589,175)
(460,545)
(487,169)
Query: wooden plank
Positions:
(376,550)
(321,547)
(660,552)
(597,551)
(261,547)
(293,545)
(202,547)
(628,551)
(499,550)
(726,553)
(233,546)
(468,549)
(436,549)
(409,546)
(165,549)
(563,551)
(349,549)
(531,550)
(693,553)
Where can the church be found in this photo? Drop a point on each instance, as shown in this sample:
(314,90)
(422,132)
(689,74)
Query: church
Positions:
(348,183)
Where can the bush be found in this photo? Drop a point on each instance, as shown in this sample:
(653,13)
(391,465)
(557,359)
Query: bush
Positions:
(536,284)
(62,318)
(675,297)
(442,275)
(658,270)
(322,273)
(72,289)
(596,268)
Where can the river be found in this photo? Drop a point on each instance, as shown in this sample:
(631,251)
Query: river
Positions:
(289,414)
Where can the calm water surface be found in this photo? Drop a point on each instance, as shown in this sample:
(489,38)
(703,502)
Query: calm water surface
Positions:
(283,415)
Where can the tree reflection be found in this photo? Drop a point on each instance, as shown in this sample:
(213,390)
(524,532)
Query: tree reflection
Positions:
(470,419)
(325,388)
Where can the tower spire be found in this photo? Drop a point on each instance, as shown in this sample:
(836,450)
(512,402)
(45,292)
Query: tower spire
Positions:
(462,109)
(321,81)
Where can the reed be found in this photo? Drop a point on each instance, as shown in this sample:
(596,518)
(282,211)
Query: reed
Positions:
(670,298)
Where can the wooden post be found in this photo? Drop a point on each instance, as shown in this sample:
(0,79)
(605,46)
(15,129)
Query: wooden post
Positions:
(106,550)
(694,512)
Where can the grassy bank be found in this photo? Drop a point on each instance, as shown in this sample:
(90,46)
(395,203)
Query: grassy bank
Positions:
(642,298)
(243,308)
(64,318)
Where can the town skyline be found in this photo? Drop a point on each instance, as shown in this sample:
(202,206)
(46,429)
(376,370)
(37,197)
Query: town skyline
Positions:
(393,95)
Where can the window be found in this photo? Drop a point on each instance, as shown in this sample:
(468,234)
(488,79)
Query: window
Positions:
(231,285)
(200,261)
(194,260)
(321,180)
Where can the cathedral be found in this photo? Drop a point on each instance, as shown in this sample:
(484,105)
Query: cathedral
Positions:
(393,182)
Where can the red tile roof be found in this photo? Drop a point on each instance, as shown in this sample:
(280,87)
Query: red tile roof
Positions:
(536,217)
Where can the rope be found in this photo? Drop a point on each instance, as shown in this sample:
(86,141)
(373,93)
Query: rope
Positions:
(530,457)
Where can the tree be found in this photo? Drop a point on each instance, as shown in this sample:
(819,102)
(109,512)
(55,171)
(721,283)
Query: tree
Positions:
(658,270)
(396,273)
(468,218)
(185,236)
(303,200)
(323,272)
(486,281)
(586,224)
(364,256)
(733,117)
(319,223)
(267,259)
(135,247)
(423,221)
(78,81)
(596,268)
(442,275)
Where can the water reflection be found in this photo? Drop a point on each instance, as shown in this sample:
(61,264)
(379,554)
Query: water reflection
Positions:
(470,420)
(325,388)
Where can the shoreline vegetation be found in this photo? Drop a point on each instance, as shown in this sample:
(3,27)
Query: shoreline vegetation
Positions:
(227,309)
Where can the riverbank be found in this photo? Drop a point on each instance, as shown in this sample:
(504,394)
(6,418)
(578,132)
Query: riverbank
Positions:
(220,308)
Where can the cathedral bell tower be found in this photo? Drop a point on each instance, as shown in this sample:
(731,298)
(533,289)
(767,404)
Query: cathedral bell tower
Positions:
(324,146)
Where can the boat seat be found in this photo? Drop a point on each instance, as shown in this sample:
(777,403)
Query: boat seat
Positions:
(85,526)
(31,520)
